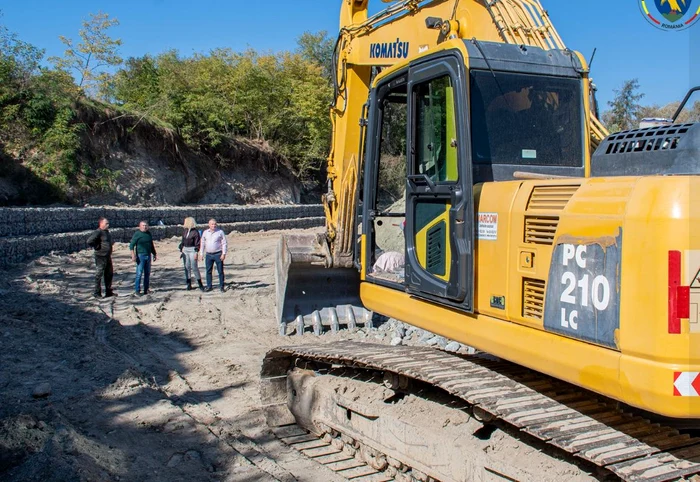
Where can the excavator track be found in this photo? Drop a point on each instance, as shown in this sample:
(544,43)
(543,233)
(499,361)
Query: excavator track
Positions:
(577,423)
(328,452)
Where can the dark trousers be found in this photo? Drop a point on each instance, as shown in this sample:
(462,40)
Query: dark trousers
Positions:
(210,259)
(104,270)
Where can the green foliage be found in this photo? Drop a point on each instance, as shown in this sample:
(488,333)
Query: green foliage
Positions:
(95,52)
(17,58)
(280,100)
(317,48)
(59,145)
(624,108)
(137,81)
(37,116)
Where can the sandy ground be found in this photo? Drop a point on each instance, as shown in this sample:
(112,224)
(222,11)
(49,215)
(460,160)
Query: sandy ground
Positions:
(160,388)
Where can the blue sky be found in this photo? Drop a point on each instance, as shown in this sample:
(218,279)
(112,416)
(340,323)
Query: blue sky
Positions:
(628,46)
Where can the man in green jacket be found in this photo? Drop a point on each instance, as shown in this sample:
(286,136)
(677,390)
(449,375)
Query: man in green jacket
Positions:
(141,247)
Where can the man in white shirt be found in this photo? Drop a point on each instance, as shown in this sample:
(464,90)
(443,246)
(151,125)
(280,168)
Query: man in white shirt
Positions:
(213,246)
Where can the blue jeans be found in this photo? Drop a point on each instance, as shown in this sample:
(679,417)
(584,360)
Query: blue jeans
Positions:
(143,267)
(210,259)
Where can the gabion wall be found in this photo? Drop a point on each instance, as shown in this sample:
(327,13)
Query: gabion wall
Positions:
(28,221)
(26,233)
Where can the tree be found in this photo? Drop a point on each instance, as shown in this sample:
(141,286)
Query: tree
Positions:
(690,113)
(624,108)
(276,100)
(318,49)
(24,57)
(137,83)
(95,52)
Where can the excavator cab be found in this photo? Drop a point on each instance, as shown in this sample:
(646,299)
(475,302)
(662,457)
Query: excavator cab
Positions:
(511,111)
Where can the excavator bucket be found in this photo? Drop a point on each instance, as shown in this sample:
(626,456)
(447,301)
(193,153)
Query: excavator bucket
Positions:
(311,295)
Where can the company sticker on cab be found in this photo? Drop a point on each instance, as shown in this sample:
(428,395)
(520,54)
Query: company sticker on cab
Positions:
(488,226)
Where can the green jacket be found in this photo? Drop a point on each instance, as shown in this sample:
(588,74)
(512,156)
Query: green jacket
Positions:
(143,243)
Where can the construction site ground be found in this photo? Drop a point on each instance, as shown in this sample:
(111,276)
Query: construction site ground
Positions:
(162,387)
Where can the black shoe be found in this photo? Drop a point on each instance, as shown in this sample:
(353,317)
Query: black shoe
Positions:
(146,292)
(189,285)
(97,295)
(222,289)
(208,289)
(110,294)
(201,286)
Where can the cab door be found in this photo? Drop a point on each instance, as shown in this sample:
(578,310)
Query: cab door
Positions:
(439,212)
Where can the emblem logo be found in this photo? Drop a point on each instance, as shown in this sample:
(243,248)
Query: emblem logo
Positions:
(671,14)
(389,50)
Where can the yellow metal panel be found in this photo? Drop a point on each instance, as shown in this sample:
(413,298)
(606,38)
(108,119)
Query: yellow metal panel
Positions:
(650,231)
(491,256)
(545,202)
(422,243)
(580,363)
(363,256)
(474,19)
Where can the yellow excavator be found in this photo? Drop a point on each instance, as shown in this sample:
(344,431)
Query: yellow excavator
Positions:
(472,192)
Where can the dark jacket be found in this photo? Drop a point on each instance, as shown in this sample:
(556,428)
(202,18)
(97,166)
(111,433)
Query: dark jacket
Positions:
(143,242)
(101,240)
(190,239)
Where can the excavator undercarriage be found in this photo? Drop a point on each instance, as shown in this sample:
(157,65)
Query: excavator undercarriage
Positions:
(417,413)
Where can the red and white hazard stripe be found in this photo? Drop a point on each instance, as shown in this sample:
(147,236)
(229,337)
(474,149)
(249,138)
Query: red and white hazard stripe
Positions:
(686,384)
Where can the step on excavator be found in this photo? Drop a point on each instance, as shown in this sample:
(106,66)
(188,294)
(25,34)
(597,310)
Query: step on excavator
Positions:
(473,193)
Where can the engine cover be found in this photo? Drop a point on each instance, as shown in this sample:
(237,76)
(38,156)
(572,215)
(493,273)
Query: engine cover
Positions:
(673,149)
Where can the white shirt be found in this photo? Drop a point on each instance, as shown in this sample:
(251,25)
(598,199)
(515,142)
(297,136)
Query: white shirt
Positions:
(213,242)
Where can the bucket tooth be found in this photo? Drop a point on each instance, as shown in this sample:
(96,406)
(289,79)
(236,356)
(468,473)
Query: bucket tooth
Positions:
(300,325)
(317,323)
(335,324)
(352,323)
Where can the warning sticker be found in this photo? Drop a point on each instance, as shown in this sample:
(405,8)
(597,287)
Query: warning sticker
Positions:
(488,226)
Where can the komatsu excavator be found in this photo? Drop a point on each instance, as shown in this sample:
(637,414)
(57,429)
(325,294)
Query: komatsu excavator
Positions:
(569,258)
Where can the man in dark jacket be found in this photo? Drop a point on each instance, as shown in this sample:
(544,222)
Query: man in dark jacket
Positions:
(101,241)
(142,248)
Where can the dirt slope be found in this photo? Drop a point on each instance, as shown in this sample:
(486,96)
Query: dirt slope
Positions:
(151,165)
